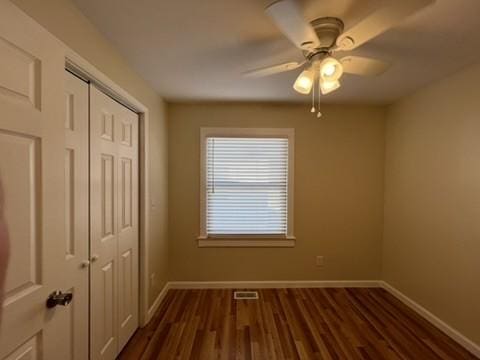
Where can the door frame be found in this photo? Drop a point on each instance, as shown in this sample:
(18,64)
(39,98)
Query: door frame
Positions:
(82,68)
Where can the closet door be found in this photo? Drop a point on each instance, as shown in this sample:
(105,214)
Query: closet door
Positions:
(76,209)
(128,232)
(114,225)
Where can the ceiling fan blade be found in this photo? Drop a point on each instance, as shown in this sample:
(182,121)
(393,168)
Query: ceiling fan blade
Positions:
(271,70)
(379,21)
(289,19)
(363,66)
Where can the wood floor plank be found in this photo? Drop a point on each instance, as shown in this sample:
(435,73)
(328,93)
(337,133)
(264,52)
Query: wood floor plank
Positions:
(332,323)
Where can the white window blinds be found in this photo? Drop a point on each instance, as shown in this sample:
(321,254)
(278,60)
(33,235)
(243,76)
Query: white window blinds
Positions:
(246,186)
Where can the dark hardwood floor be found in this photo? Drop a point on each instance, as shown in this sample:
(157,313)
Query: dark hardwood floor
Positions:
(333,323)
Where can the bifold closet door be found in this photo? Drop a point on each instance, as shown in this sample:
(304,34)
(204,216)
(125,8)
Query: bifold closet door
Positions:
(76,209)
(113,225)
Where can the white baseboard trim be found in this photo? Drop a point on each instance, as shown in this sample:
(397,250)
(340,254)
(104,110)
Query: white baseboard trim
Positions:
(440,324)
(271,284)
(156,304)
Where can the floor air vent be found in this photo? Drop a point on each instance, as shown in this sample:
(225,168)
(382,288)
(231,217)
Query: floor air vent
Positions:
(245,295)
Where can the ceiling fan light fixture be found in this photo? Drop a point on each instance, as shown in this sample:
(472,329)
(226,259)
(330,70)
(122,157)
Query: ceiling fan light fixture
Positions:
(330,69)
(327,87)
(304,82)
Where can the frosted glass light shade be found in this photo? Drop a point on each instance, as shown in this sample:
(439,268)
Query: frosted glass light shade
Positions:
(328,86)
(304,82)
(330,69)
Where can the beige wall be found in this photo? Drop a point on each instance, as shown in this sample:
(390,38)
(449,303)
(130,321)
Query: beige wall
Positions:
(338,194)
(432,200)
(67,23)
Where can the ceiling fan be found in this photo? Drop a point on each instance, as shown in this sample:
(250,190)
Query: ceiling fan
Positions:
(320,40)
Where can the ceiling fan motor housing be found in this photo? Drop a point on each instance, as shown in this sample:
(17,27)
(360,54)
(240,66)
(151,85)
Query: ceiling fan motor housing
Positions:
(328,29)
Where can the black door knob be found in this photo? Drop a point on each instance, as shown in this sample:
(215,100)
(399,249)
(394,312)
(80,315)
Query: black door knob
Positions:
(59,298)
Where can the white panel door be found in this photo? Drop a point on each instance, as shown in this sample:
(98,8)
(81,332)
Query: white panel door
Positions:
(114,225)
(76,209)
(128,231)
(32,151)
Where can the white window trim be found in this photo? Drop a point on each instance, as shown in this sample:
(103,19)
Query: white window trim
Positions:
(204,240)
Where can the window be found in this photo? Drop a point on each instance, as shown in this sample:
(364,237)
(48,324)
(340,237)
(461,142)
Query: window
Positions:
(246,187)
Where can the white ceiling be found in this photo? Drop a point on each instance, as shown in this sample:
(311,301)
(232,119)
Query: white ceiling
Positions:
(197,49)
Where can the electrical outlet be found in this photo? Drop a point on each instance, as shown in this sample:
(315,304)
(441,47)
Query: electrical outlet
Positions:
(319,260)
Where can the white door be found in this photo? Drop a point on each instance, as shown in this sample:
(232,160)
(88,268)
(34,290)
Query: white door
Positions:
(32,152)
(114,225)
(76,208)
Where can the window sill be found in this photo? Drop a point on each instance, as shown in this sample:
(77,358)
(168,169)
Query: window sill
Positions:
(247,241)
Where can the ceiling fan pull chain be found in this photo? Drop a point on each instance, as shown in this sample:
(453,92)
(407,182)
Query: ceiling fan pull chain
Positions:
(312,110)
(319,114)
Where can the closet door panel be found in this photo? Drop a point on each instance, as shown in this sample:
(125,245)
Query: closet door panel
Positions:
(128,224)
(114,225)
(103,228)
(76,209)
